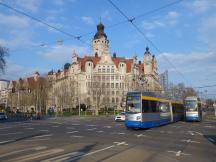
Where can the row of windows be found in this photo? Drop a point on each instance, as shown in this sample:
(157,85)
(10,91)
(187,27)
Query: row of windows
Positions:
(107,92)
(108,100)
(105,85)
(106,70)
(99,41)
(154,106)
(112,77)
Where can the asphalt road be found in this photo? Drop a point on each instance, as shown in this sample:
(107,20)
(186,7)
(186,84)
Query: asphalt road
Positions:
(103,139)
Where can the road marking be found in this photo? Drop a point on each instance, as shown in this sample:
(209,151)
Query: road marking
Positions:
(190,141)
(208,126)
(121,143)
(55,123)
(99,131)
(19,151)
(178,153)
(4,134)
(91,129)
(77,136)
(77,155)
(75,124)
(140,135)
(194,132)
(3,142)
(162,131)
(63,157)
(107,126)
(37,139)
(55,126)
(46,135)
(34,156)
(73,132)
(91,125)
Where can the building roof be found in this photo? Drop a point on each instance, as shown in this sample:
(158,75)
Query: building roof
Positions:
(100,32)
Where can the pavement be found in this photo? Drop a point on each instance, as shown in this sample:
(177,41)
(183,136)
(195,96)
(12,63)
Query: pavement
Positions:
(97,139)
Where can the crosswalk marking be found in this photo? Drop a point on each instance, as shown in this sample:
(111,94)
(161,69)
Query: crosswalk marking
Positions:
(37,155)
(19,151)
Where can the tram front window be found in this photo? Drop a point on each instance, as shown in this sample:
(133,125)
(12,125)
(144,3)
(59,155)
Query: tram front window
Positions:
(134,104)
(191,105)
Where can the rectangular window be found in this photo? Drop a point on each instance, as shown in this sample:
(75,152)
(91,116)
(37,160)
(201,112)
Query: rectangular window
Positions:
(108,70)
(104,70)
(117,85)
(112,77)
(99,70)
(117,77)
(112,85)
(149,106)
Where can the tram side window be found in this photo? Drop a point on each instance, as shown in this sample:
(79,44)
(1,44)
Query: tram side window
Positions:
(149,106)
(177,108)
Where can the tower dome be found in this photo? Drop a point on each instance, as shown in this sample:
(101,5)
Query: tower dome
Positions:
(100,31)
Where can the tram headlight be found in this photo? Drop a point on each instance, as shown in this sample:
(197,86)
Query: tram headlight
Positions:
(138,118)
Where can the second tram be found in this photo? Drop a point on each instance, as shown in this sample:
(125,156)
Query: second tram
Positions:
(193,110)
(148,109)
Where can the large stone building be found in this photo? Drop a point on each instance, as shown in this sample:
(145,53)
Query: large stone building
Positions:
(3,93)
(101,80)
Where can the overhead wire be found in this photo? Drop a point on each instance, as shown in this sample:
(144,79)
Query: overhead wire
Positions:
(131,20)
(44,23)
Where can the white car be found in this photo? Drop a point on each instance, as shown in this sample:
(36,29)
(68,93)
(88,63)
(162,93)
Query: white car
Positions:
(120,117)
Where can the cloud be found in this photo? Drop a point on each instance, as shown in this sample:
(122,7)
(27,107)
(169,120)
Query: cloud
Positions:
(29,5)
(200,6)
(170,19)
(88,20)
(207,31)
(14,21)
(195,66)
(63,53)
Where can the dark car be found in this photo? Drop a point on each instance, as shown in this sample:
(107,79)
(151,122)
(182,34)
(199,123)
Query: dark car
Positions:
(3,116)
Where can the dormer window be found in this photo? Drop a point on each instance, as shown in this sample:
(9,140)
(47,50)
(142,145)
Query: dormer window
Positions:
(89,64)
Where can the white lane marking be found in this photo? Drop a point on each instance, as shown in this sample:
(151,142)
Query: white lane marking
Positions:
(121,133)
(44,130)
(33,156)
(190,141)
(37,139)
(191,133)
(18,151)
(77,136)
(212,140)
(55,123)
(121,143)
(140,135)
(198,133)
(162,131)
(91,125)
(3,142)
(73,132)
(194,132)
(91,129)
(46,135)
(107,126)
(63,157)
(70,128)
(5,134)
(99,131)
(208,126)
(178,153)
(70,156)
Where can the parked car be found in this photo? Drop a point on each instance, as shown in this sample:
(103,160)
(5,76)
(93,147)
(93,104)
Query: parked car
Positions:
(3,116)
(120,117)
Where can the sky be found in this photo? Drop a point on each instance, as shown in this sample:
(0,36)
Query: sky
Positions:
(184,35)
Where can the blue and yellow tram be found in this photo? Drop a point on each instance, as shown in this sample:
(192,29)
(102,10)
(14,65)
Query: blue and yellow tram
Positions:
(148,109)
(193,108)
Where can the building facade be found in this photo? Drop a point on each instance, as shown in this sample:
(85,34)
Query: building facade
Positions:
(4,84)
(164,81)
(102,79)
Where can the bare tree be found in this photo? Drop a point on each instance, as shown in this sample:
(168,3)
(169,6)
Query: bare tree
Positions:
(3,53)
